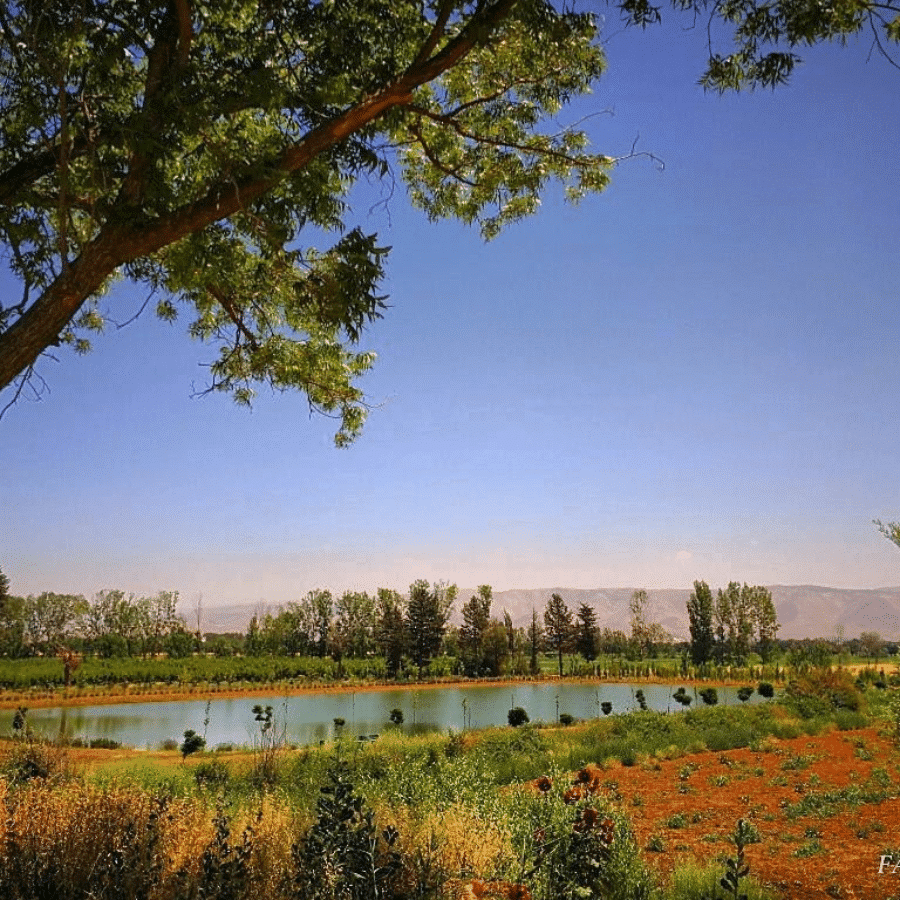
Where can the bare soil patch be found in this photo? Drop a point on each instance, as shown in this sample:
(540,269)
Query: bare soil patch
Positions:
(813,800)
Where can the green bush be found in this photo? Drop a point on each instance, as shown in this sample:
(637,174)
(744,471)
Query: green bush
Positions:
(517,716)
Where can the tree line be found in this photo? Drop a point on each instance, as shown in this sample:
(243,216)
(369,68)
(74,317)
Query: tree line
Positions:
(111,624)
(412,632)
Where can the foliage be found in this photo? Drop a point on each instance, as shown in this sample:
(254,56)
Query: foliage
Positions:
(745,693)
(192,743)
(736,869)
(586,632)
(558,626)
(427,613)
(682,696)
(891,530)
(191,148)
(397,716)
(765,35)
(765,689)
(517,716)
(821,692)
(710,696)
(343,856)
(700,619)
(29,760)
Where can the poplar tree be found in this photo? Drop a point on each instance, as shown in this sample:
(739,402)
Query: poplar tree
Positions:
(700,621)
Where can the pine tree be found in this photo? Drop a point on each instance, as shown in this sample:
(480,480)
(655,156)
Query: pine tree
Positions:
(558,623)
(586,632)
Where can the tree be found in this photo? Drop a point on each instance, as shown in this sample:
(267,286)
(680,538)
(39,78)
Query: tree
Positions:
(192,146)
(700,621)
(535,635)
(586,632)
(476,615)
(558,627)
(427,613)
(871,644)
(201,149)
(49,616)
(640,628)
(765,621)
(355,622)
(12,621)
(390,628)
(192,743)
(766,33)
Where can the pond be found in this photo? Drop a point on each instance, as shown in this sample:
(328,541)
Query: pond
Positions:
(309,718)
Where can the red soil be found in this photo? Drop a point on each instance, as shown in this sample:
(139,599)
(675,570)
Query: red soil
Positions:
(830,856)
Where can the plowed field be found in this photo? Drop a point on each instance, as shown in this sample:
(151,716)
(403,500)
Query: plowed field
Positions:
(825,808)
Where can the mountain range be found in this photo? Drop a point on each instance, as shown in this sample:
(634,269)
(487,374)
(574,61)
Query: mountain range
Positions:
(804,611)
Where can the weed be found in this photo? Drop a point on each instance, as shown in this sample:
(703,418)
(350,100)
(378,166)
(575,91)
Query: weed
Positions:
(655,844)
(810,848)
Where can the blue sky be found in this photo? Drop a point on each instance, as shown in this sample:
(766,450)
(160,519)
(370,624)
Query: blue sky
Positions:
(693,375)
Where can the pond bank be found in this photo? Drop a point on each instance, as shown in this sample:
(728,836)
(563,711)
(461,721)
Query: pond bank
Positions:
(162,693)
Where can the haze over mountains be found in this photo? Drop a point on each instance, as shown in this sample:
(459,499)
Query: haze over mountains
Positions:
(804,611)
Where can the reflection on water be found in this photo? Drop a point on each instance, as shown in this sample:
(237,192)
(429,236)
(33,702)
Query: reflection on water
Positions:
(309,718)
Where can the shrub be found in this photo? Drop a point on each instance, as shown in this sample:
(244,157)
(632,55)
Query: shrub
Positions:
(566,719)
(822,692)
(517,716)
(683,697)
(606,706)
(765,689)
(745,693)
(212,774)
(191,744)
(710,696)
(397,716)
(343,855)
(31,760)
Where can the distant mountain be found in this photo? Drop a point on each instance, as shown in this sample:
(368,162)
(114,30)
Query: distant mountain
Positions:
(804,611)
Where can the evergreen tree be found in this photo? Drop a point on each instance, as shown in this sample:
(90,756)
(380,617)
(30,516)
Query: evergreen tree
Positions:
(586,639)
(558,627)
(476,615)
(535,635)
(427,613)
(390,628)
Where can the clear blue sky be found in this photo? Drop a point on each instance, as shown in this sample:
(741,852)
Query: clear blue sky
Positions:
(693,375)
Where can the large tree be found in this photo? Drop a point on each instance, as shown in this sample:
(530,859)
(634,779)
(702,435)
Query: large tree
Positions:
(586,637)
(427,613)
(205,151)
(700,622)
(476,613)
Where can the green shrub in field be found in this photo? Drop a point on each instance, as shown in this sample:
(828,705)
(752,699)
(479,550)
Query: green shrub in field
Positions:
(573,851)
(765,689)
(517,716)
(344,855)
(822,692)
